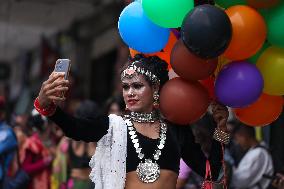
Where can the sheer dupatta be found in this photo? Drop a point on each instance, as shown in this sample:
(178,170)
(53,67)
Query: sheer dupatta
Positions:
(109,161)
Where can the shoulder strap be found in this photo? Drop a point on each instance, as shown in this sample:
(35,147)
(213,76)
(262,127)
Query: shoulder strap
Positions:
(265,148)
(261,146)
(208,175)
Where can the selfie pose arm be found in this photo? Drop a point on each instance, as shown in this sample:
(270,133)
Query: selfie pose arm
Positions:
(86,129)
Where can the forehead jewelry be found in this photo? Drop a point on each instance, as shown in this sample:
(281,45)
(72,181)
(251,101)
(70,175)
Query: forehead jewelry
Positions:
(130,71)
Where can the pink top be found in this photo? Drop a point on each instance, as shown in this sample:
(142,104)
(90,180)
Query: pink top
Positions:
(184,170)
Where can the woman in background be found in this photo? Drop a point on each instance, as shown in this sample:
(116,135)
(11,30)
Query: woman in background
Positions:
(80,153)
(115,105)
(35,157)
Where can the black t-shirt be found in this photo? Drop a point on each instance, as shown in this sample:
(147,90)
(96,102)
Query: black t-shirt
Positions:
(179,143)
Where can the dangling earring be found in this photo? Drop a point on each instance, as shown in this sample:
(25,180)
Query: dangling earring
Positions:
(156,100)
(126,108)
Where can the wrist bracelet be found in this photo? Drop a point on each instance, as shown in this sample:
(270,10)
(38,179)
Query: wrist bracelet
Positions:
(221,136)
(44,111)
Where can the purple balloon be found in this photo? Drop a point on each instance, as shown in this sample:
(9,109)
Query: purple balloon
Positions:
(239,84)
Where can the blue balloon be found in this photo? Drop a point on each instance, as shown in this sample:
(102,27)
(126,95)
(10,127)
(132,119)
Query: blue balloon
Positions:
(138,32)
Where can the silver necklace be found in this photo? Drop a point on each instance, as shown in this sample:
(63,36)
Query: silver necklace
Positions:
(144,117)
(148,170)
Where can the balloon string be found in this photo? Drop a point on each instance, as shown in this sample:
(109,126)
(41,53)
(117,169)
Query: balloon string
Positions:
(221,63)
(224,167)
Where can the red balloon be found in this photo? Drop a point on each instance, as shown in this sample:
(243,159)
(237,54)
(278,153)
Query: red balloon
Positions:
(190,67)
(183,102)
(208,83)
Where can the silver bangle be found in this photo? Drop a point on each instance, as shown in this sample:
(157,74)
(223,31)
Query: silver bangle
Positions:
(221,136)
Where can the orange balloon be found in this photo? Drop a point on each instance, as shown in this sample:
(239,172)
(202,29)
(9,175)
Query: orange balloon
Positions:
(133,52)
(164,54)
(260,4)
(183,102)
(263,112)
(249,32)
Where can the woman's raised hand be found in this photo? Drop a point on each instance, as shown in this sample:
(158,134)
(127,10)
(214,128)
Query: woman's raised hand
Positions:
(220,115)
(53,89)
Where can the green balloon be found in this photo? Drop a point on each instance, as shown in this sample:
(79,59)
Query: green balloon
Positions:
(274,18)
(167,13)
(255,57)
(229,3)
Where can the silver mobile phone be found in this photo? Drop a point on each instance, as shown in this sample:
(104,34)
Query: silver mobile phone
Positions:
(63,65)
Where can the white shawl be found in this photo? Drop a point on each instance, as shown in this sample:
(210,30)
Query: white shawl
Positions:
(109,162)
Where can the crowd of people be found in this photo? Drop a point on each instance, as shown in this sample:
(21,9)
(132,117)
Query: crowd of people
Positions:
(48,158)
(47,148)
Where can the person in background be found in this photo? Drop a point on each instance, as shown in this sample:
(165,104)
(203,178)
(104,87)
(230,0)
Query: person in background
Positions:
(115,105)
(203,131)
(59,176)
(8,144)
(35,157)
(184,172)
(233,151)
(80,153)
(256,163)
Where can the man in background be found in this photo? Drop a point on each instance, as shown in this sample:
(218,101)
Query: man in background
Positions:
(256,163)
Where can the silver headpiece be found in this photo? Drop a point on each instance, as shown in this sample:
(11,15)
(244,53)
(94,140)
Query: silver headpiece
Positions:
(132,69)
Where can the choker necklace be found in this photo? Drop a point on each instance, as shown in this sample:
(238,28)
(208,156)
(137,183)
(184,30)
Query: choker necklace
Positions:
(144,117)
(148,170)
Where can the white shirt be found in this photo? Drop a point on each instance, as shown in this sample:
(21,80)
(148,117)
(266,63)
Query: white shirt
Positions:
(249,174)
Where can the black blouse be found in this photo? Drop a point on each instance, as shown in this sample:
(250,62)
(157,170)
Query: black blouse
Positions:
(179,143)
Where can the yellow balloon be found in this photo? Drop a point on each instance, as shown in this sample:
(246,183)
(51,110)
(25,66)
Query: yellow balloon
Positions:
(271,66)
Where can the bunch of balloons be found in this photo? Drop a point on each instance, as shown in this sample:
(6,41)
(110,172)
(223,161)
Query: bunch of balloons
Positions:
(255,94)
(231,52)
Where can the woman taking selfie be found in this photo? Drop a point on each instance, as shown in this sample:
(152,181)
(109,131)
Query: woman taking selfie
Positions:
(139,149)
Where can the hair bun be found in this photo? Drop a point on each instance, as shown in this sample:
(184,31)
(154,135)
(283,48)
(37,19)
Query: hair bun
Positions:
(155,65)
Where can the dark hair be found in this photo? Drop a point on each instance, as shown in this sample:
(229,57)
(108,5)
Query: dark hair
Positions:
(118,99)
(87,109)
(2,104)
(154,64)
(244,130)
(205,123)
